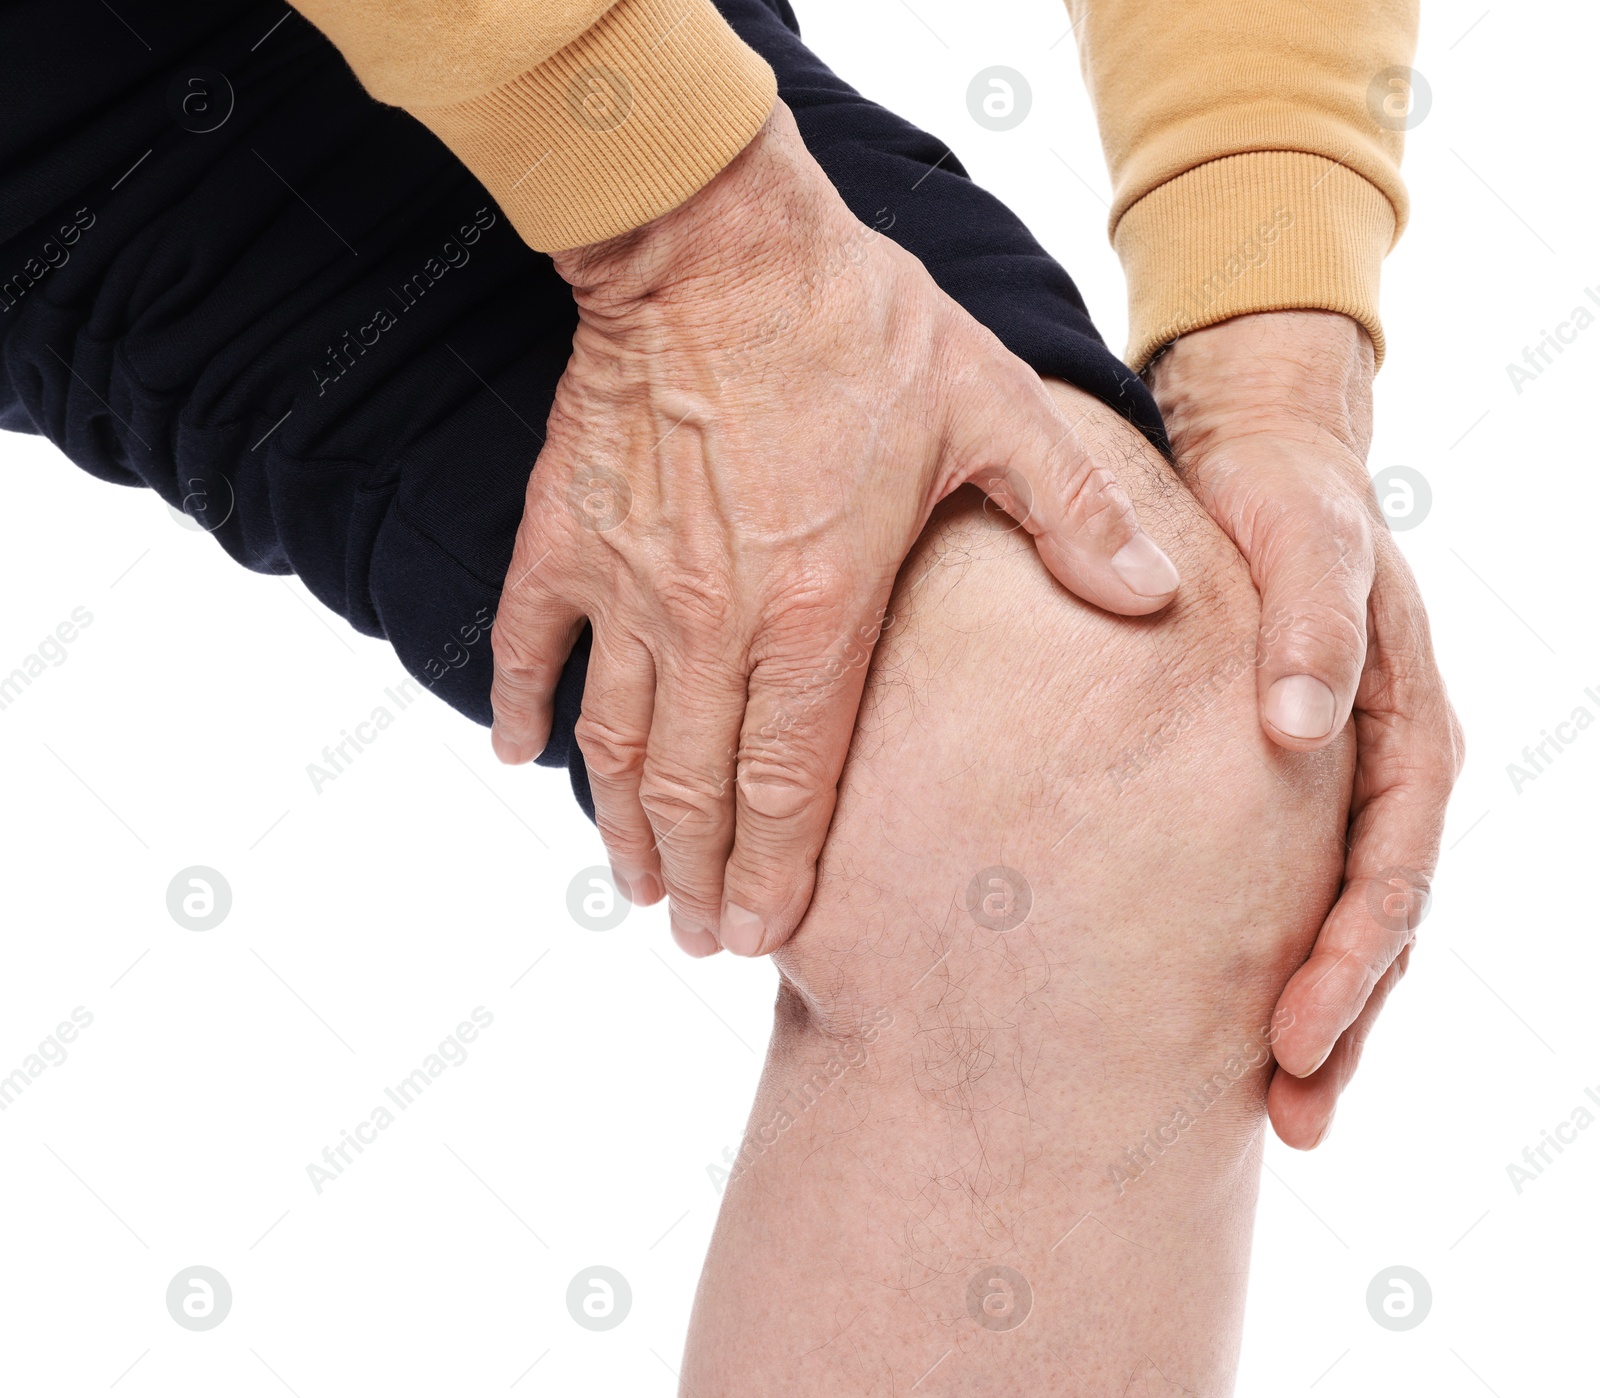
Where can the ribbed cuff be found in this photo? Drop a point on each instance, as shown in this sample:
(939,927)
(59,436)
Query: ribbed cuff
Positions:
(1263,231)
(628,121)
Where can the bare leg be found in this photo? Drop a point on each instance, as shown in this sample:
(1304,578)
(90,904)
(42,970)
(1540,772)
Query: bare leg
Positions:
(1009,1131)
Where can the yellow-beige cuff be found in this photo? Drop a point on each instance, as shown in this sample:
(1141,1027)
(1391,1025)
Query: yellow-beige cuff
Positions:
(1261,231)
(625,123)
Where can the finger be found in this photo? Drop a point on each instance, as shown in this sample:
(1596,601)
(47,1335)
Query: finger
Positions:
(1302,1109)
(687,785)
(1408,752)
(534,632)
(697,944)
(1055,475)
(612,732)
(1312,561)
(797,727)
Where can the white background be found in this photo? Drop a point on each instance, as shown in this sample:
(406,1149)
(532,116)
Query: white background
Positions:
(369,919)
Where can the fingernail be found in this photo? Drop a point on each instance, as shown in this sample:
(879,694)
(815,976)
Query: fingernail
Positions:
(1301,706)
(742,930)
(1314,1067)
(697,944)
(688,935)
(1144,567)
(504,748)
(645,889)
(632,886)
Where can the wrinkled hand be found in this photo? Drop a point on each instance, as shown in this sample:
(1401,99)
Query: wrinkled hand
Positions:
(1271,418)
(764,402)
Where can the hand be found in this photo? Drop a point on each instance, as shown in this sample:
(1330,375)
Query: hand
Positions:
(1271,419)
(764,402)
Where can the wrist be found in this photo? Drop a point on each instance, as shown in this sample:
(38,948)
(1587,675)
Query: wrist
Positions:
(770,209)
(1305,375)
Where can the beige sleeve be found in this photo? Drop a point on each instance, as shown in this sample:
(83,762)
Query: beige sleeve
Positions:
(584,118)
(1254,148)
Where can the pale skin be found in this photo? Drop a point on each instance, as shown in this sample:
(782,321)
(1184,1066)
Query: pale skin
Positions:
(766,401)
(991,1095)
(1271,419)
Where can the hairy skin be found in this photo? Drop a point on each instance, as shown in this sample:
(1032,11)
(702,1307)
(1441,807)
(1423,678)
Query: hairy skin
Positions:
(948,1093)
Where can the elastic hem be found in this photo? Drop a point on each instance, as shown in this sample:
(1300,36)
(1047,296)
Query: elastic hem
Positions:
(1265,231)
(622,125)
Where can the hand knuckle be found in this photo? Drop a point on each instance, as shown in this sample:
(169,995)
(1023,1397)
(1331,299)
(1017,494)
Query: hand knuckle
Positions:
(1338,522)
(1312,629)
(781,781)
(1095,499)
(513,656)
(1439,768)
(699,606)
(680,800)
(607,752)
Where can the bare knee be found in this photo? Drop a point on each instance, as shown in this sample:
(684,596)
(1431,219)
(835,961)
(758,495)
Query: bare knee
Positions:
(1036,787)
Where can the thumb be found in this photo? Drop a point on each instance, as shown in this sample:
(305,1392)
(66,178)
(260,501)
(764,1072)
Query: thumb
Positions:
(1314,571)
(1053,475)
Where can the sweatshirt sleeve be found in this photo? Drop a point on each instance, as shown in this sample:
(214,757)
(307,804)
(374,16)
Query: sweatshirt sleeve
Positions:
(1254,148)
(584,118)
